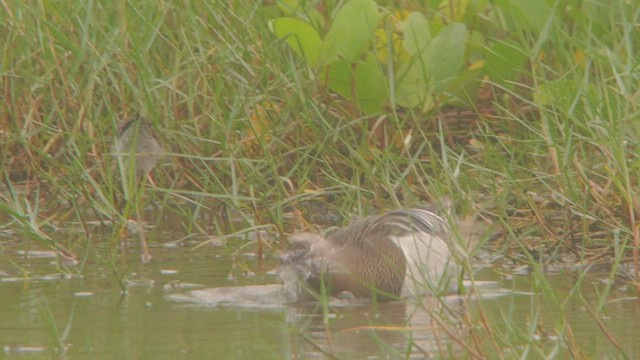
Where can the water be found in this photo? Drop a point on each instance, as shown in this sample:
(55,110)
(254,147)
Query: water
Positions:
(170,311)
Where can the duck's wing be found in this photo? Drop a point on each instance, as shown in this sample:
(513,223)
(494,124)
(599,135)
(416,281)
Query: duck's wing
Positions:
(406,221)
(394,223)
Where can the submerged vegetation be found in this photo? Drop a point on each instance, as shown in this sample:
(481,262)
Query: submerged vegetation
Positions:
(525,114)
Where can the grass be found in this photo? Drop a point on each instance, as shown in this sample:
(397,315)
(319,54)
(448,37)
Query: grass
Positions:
(550,160)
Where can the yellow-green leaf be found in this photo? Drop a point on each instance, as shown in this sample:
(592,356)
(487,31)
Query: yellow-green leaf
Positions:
(351,32)
(300,35)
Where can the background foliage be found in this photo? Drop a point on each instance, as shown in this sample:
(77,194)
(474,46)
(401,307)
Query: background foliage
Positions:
(524,113)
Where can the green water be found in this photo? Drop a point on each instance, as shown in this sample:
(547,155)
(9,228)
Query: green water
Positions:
(82,310)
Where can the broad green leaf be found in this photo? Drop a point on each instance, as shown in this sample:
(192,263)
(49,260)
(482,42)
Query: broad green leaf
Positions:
(304,10)
(371,85)
(351,32)
(537,12)
(427,75)
(412,89)
(416,33)
(340,78)
(300,35)
(463,89)
(525,15)
(330,49)
(362,81)
(444,56)
(504,62)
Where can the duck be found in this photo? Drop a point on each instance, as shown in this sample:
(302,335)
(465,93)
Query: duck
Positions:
(136,136)
(401,253)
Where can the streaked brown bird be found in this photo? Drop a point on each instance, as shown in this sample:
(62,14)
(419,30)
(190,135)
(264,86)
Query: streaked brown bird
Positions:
(397,254)
(136,137)
(138,151)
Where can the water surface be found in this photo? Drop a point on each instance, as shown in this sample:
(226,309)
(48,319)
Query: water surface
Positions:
(47,308)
